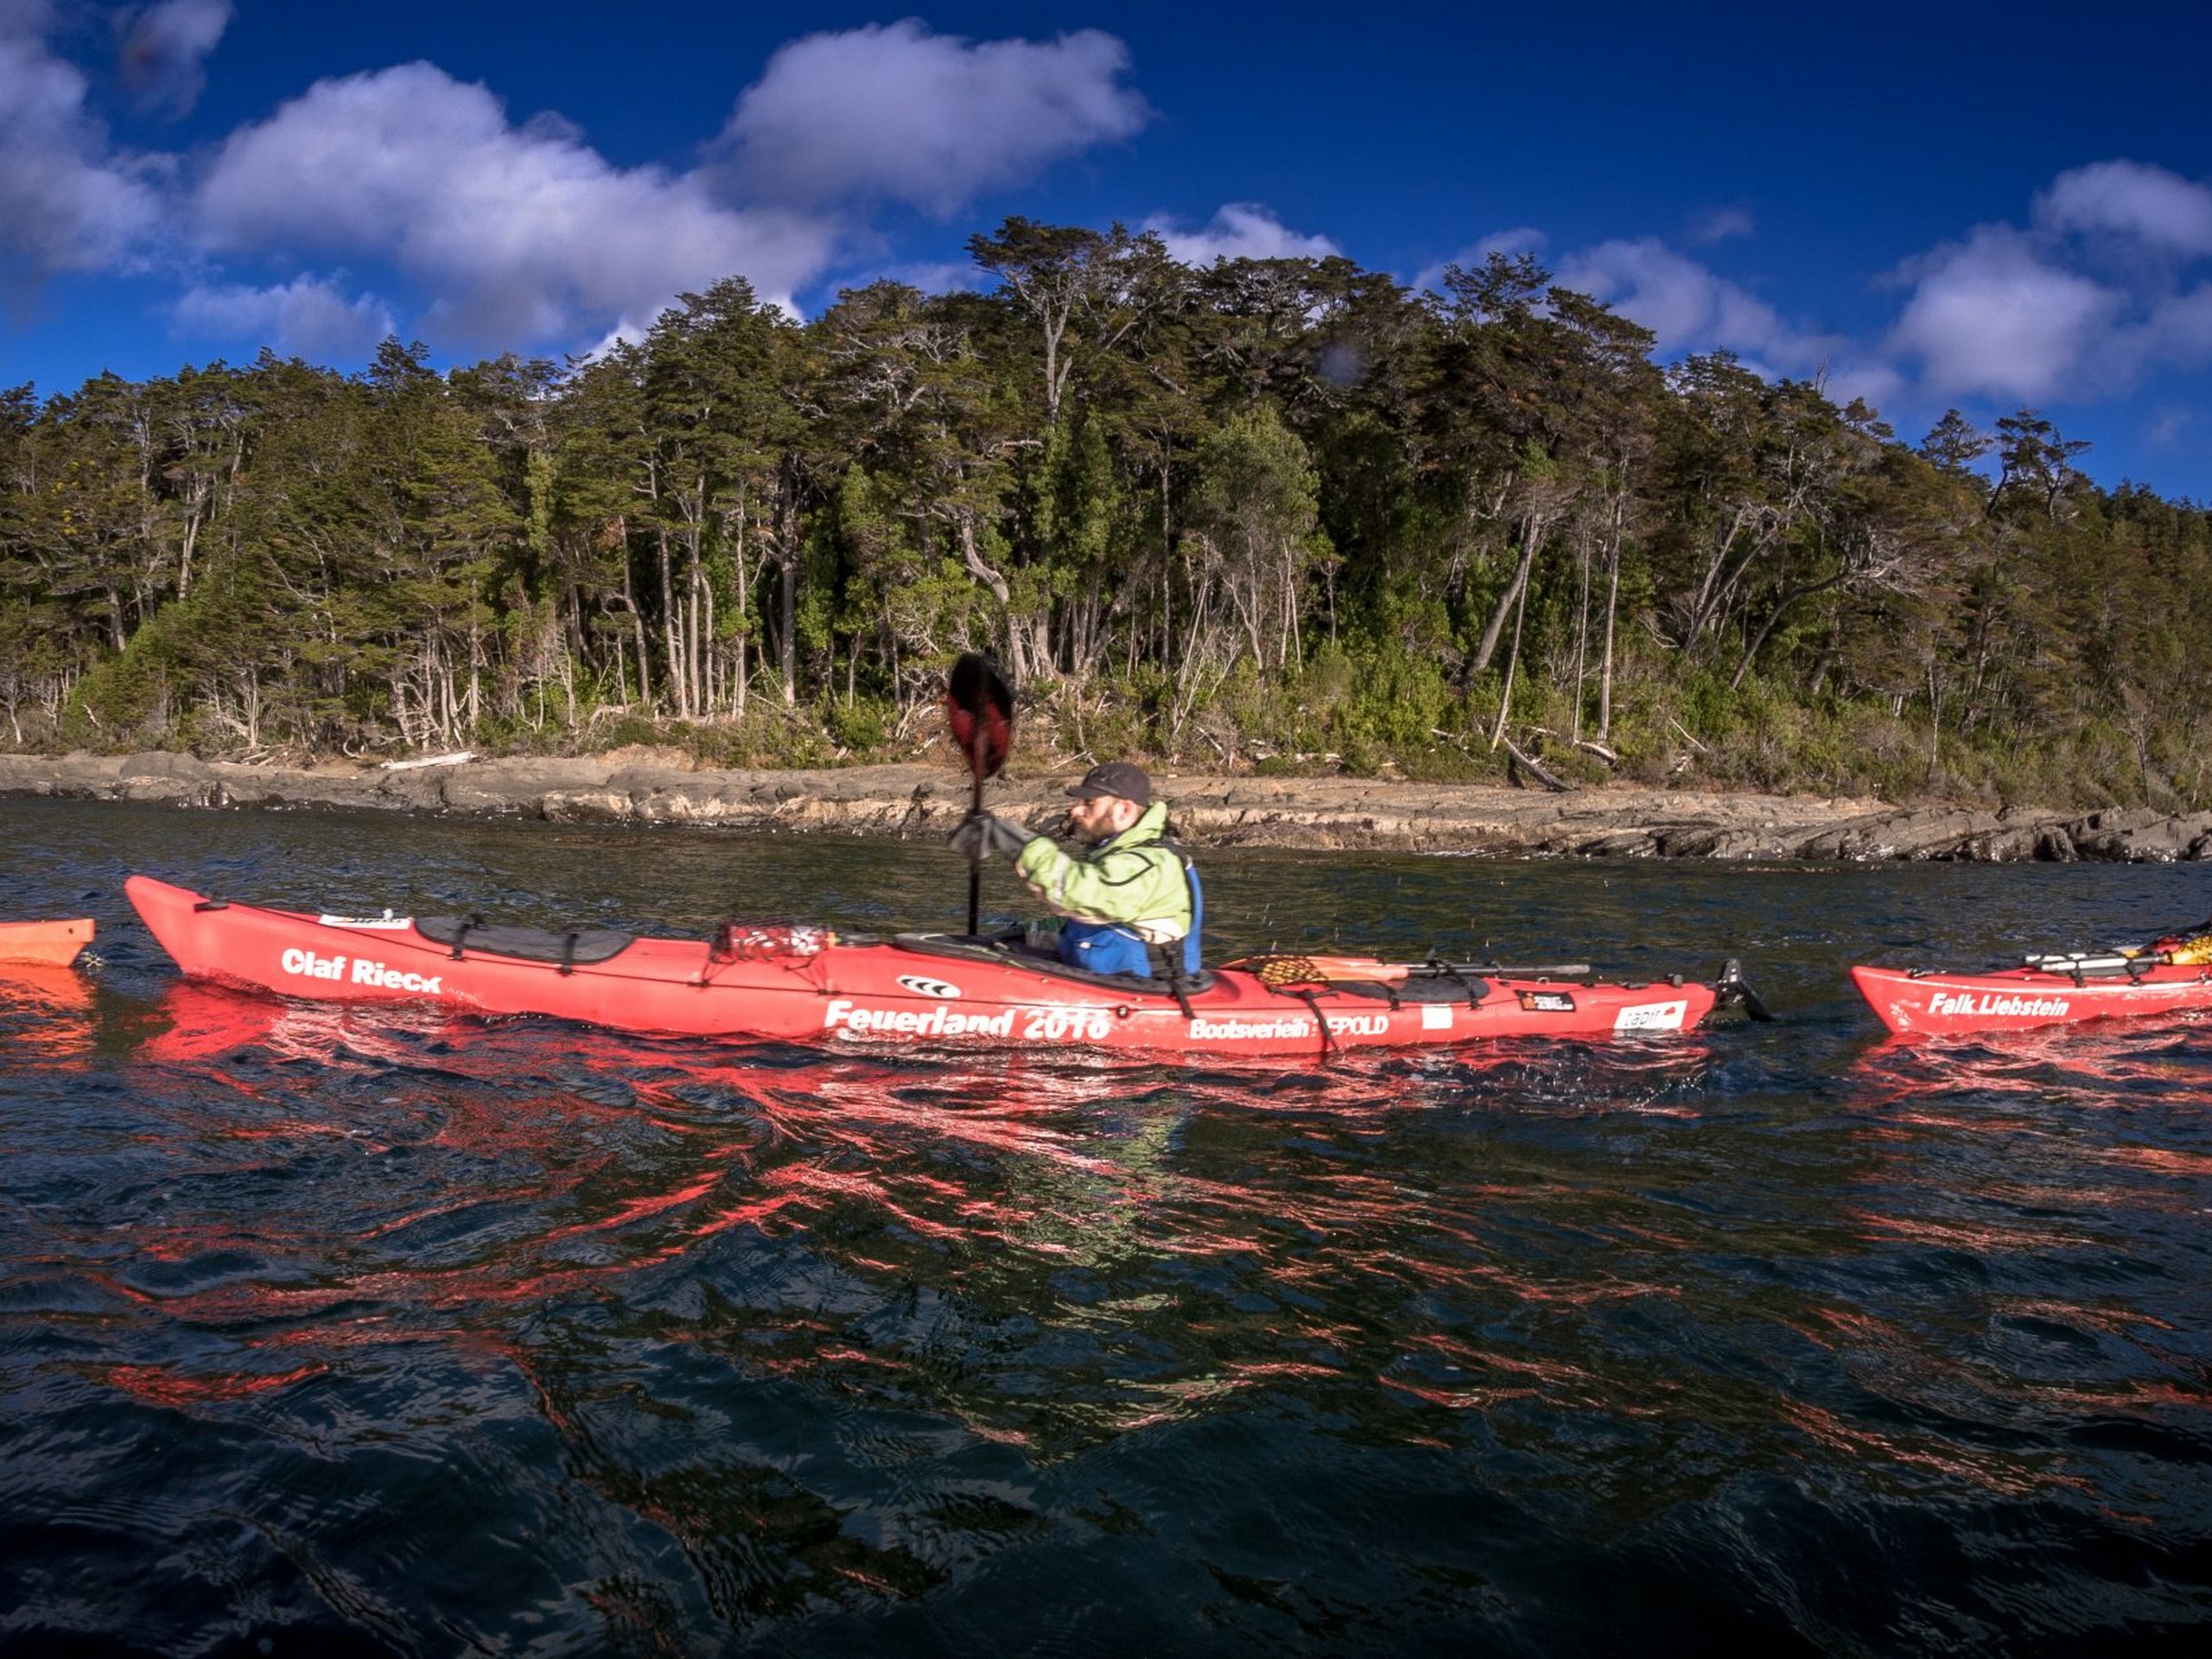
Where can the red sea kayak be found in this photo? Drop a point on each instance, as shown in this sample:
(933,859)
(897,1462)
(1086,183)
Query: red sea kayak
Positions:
(806,984)
(2044,991)
(52,945)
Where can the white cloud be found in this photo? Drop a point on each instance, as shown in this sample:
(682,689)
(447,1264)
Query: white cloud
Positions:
(2086,303)
(1692,309)
(64,203)
(523,233)
(2096,295)
(526,233)
(1241,230)
(164,53)
(892,112)
(931,277)
(517,234)
(1878,384)
(1689,308)
(2147,204)
(2174,427)
(2180,326)
(1521,239)
(309,317)
(1992,316)
(1719,224)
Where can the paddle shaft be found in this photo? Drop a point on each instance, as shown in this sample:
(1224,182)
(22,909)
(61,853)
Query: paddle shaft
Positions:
(975,871)
(1391,972)
(981,709)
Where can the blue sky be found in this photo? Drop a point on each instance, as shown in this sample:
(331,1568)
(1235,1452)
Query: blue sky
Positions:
(1932,205)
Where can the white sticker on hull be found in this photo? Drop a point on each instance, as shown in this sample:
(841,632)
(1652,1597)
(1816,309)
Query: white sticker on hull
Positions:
(1233,1029)
(358,971)
(939,1021)
(1652,1016)
(1229,1030)
(2000,1004)
(1077,1023)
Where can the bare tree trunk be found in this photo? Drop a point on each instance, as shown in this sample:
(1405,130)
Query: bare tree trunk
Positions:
(475,666)
(695,645)
(1016,654)
(1166,559)
(195,512)
(637,623)
(1581,628)
(1532,537)
(787,568)
(1512,662)
(1751,651)
(744,600)
(1936,731)
(708,656)
(1713,589)
(1612,611)
(670,601)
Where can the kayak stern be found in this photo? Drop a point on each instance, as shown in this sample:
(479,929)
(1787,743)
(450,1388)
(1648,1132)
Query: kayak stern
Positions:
(44,944)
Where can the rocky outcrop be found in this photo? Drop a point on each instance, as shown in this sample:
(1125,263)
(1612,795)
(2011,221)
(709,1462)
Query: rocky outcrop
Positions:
(913,801)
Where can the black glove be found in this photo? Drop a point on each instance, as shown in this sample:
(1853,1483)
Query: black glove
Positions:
(984,835)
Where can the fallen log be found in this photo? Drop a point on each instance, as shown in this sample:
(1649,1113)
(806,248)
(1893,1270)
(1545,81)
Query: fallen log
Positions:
(1542,774)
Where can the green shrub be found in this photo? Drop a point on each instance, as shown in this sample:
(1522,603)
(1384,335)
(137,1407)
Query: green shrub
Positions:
(862,724)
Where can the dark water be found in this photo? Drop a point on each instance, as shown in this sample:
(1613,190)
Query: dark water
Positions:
(323,1332)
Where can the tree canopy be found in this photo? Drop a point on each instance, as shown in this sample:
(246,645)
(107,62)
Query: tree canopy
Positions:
(1274,512)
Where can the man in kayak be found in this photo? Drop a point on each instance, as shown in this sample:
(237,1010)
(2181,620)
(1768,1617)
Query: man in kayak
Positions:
(1129,902)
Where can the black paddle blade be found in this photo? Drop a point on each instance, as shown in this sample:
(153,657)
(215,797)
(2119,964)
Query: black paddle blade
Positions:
(1736,991)
(979,708)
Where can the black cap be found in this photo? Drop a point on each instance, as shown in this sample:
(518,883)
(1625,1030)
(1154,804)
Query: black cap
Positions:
(1117,778)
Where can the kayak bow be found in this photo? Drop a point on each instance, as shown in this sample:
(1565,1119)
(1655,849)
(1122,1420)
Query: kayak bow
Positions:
(2048,990)
(806,984)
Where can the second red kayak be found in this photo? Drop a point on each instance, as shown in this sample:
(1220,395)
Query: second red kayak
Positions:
(2048,991)
(805,985)
(50,945)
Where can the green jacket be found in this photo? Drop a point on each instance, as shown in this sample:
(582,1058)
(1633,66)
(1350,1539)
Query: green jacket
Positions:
(1132,880)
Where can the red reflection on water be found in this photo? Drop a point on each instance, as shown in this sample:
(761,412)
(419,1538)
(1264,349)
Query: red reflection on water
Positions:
(2118,1059)
(2163,1160)
(531,1186)
(164,1385)
(45,1013)
(197,1022)
(2021,1097)
(1460,1376)
(1980,1238)
(547,1165)
(2002,1159)
(1999,1472)
(2111,1321)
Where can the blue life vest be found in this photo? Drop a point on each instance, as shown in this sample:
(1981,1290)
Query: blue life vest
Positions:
(1113,948)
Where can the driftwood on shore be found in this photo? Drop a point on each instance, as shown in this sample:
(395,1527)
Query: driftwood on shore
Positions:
(916,801)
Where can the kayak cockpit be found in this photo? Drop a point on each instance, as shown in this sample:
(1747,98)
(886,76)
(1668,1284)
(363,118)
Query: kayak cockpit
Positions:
(1016,953)
(577,946)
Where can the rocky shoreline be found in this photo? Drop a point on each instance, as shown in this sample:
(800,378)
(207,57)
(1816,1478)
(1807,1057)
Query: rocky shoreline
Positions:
(916,801)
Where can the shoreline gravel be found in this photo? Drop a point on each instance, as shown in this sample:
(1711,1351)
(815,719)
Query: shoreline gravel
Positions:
(921,800)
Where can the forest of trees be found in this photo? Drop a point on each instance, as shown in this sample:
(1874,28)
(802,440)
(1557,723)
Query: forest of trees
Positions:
(1282,513)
